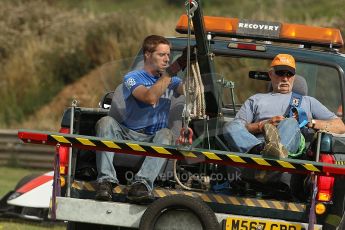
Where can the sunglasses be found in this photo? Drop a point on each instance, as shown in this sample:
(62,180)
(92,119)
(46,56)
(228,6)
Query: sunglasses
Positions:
(284,73)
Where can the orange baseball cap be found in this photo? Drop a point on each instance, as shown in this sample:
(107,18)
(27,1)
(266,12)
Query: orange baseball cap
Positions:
(284,62)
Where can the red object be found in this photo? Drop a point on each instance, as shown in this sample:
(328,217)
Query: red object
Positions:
(186,137)
(246,46)
(64,154)
(325,183)
(34,183)
(33,137)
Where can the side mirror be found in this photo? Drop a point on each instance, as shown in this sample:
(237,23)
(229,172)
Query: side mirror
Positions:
(105,102)
(259,75)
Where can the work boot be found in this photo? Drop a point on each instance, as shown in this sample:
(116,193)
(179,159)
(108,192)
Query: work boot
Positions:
(273,148)
(104,191)
(257,149)
(139,193)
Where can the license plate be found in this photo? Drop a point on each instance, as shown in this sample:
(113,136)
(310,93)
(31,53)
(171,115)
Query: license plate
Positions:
(236,223)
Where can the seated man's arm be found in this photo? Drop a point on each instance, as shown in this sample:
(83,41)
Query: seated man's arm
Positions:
(257,127)
(324,119)
(334,125)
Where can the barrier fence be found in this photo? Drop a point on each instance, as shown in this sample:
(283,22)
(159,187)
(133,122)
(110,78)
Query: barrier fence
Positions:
(15,153)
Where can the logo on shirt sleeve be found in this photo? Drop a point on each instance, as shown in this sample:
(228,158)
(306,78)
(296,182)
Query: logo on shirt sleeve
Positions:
(130,82)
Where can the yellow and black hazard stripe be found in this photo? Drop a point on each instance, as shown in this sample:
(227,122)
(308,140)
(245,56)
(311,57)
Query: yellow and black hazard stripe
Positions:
(340,162)
(196,155)
(206,197)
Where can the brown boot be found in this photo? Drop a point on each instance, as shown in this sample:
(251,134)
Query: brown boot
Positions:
(104,191)
(273,148)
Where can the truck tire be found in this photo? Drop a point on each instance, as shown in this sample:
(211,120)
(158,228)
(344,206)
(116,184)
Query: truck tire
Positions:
(198,208)
(342,223)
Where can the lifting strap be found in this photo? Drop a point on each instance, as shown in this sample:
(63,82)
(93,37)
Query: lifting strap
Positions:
(295,109)
(56,182)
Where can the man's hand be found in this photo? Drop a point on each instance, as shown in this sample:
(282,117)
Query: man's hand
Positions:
(181,62)
(275,120)
(258,127)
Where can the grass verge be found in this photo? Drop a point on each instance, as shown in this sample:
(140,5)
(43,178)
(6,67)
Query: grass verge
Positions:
(11,176)
(8,180)
(25,225)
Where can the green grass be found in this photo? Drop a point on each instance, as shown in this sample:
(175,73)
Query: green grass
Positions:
(295,11)
(49,44)
(61,45)
(25,225)
(8,180)
(106,6)
(10,177)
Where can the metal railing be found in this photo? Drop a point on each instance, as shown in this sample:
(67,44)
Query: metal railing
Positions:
(13,152)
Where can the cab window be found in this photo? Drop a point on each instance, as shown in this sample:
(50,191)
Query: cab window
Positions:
(323,81)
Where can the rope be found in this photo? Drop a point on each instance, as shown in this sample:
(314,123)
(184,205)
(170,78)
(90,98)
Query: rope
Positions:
(186,134)
(196,106)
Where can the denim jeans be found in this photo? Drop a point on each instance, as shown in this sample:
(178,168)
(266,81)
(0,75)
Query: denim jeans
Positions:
(240,140)
(108,127)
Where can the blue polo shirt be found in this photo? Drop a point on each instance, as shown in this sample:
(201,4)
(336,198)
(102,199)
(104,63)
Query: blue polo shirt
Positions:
(141,116)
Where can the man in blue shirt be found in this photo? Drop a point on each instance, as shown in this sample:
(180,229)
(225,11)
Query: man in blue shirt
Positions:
(260,124)
(147,93)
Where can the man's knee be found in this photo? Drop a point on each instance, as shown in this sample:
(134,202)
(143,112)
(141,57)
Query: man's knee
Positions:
(104,121)
(231,128)
(163,136)
(105,125)
(290,122)
(290,134)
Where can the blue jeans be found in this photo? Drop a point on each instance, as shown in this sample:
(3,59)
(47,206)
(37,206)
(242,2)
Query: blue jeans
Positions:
(240,140)
(108,127)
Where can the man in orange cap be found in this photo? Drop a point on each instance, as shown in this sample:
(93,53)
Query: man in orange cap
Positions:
(262,126)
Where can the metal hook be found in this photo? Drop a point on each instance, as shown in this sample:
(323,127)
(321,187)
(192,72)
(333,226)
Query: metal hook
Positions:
(191,10)
(74,103)
(186,137)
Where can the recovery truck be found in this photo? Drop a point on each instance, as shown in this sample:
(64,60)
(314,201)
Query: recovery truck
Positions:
(206,185)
